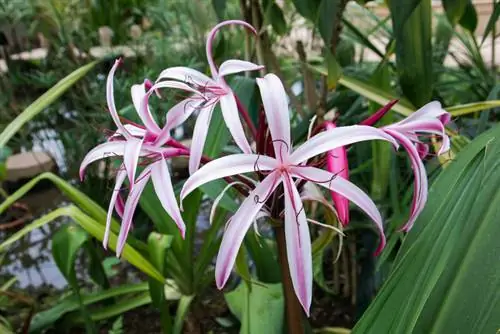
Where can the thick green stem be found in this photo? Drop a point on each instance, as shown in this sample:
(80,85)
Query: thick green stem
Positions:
(294,313)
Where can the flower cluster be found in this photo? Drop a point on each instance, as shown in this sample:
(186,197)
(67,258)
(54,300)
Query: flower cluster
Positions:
(281,169)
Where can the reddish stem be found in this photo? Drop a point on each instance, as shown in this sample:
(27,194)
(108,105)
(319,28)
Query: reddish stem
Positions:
(246,117)
(379,114)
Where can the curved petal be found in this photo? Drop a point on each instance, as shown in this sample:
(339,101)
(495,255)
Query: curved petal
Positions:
(239,225)
(430,110)
(133,129)
(130,206)
(138,93)
(346,189)
(210,39)
(120,178)
(131,157)
(110,98)
(338,137)
(276,109)
(186,74)
(105,150)
(233,122)
(298,244)
(165,192)
(199,137)
(176,116)
(226,166)
(233,66)
(420,188)
(434,126)
(170,84)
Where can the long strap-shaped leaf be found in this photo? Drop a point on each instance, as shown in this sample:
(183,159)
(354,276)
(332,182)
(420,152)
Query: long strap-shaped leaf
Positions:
(43,102)
(93,228)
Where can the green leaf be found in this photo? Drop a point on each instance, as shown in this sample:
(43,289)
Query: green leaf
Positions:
(274,15)
(95,229)
(328,14)
(44,319)
(260,310)
(470,108)
(455,9)
(43,102)
(492,21)
(219,8)
(181,313)
(307,8)
(264,256)
(74,195)
(445,277)
(121,308)
(158,245)
(413,35)
(334,70)
(66,243)
(469,20)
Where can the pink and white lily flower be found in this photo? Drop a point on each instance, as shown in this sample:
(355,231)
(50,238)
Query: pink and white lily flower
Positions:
(133,142)
(287,166)
(430,119)
(215,90)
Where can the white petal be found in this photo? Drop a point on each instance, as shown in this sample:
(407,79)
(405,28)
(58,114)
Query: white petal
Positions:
(227,166)
(298,244)
(277,114)
(346,189)
(239,225)
(341,136)
(235,66)
(233,122)
(186,74)
(165,192)
(199,137)
(120,177)
(138,93)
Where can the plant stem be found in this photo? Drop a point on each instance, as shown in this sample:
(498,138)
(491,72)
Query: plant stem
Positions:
(294,313)
(246,117)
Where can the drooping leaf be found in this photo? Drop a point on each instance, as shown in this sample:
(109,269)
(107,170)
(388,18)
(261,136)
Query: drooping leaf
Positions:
(469,19)
(445,278)
(454,9)
(274,15)
(307,8)
(43,102)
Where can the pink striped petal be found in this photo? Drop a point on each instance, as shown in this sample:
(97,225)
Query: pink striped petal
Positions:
(433,126)
(199,136)
(336,163)
(165,192)
(110,98)
(138,93)
(120,178)
(210,40)
(131,157)
(105,150)
(298,244)
(176,116)
(346,189)
(420,188)
(130,206)
(334,138)
(226,166)
(430,110)
(119,205)
(187,75)
(233,122)
(233,66)
(239,225)
(276,109)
